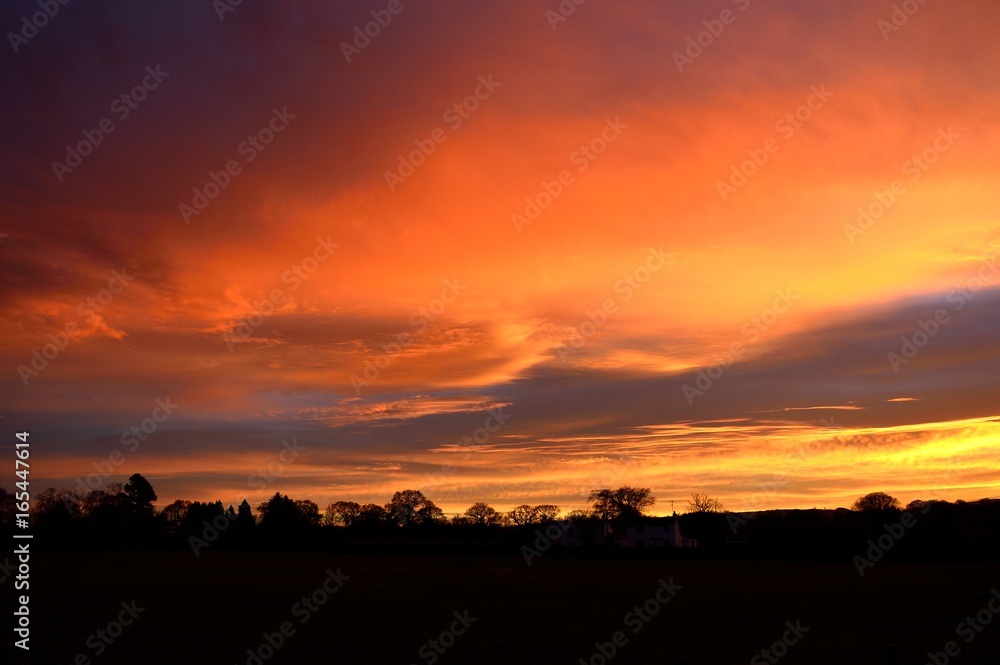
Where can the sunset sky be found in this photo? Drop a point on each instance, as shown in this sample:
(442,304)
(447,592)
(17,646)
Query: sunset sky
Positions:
(602,253)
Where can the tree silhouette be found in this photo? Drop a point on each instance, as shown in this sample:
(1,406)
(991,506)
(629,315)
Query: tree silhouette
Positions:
(106,509)
(6,506)
(140,494)
(57,508)
(279,513)
(429,514)
(546,512)
(244,516)
(703,503)
(120,513)
(198,513)
(175,512)
(525,514)
(483,515)
(371,514)
(309,510)
(412,507)
(343,513)
(522,515)
(92,500)
(624,502)
(876,502)
(52,500)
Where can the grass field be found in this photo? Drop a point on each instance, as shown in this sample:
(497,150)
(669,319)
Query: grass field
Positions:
(213,608)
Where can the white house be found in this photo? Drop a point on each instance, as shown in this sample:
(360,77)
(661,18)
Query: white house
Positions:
(654,533)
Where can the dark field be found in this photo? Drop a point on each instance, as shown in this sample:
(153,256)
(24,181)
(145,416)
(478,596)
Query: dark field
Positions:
(213,608)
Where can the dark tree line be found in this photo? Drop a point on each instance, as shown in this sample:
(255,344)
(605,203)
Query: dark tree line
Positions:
(126,513)
(128,510)
(125,508)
